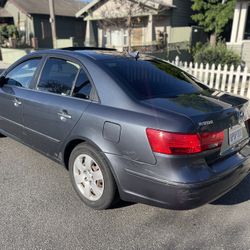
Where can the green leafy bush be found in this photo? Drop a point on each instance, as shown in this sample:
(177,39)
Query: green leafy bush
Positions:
(8,31)
(218,54)
(3,33)
(12,31)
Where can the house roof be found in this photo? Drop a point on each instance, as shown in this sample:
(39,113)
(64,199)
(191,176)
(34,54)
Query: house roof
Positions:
(148,3)
(4,13)
(62,7)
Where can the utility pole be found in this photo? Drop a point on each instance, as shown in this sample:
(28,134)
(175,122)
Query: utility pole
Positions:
(53,21)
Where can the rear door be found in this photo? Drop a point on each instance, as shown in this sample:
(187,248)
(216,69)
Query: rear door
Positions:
(17,85)
(59,99)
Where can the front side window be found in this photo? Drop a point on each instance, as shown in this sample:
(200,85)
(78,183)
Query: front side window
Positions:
(58,76)
(83,86)
(23,74)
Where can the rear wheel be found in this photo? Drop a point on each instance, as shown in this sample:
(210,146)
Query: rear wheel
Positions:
(91,177)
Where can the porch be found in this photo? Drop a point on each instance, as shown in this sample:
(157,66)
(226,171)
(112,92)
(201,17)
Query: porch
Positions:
(148,30)
(240,36)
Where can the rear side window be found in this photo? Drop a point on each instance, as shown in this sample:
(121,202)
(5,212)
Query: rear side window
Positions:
(147,79)
(58,76)
(23,74)
(83,86)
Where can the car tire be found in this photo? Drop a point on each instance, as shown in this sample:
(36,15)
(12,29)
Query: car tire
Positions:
(91,177)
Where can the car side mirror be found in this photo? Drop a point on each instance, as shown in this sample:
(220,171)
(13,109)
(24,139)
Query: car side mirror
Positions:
(2,81)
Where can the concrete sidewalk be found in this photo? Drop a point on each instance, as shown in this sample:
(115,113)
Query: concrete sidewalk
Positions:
(3,66)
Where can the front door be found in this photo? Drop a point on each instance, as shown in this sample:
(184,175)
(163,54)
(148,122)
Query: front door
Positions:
(11,96)
(137,36)
(42,27)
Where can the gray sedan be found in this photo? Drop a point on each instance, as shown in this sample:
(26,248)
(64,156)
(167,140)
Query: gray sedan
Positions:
(129,127)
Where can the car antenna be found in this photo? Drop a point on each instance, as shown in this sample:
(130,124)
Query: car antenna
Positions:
(134,54)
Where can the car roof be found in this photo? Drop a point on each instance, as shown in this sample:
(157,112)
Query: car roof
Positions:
(101,54)
(92,53)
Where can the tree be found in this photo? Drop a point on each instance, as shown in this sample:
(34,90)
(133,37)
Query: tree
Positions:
(213,15)
(123,13)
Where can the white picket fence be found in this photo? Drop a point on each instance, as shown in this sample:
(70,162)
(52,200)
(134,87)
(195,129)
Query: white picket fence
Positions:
(227,78)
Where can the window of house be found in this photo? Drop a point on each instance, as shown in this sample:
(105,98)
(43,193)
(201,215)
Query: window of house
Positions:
(125,37)
(23,74)
(247,29)
(58,76)
(46,29)
(105,39)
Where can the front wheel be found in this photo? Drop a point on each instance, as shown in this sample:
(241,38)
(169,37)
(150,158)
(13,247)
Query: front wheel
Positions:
(91,177)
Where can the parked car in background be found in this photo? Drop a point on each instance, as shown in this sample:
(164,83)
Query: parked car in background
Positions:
(136,128)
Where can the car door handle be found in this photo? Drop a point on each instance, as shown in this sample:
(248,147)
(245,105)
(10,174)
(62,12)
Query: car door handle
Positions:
(17,103)
(64,115)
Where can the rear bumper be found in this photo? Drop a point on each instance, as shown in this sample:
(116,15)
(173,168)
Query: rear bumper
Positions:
(142,183)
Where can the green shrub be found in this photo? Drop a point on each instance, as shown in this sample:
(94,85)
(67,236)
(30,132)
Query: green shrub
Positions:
(12,31)
(8,31)
(3,33)
(219,54)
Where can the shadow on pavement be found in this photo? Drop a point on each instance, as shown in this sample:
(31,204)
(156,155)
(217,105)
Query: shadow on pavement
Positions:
(239,194)
(122,204)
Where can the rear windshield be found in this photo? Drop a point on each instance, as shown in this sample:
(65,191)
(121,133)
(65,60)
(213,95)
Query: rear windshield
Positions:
(146,79)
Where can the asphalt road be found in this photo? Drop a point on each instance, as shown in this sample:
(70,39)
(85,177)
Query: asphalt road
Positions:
(40,210)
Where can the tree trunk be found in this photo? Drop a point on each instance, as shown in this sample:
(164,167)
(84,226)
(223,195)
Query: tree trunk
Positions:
(213,39)
(129,32)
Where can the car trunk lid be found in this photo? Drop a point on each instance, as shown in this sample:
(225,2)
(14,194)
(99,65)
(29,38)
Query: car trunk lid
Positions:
(212,111)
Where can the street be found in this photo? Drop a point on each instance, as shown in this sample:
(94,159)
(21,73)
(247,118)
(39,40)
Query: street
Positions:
(40,210)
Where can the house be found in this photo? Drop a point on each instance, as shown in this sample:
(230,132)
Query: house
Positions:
(154,22)
(5,17)
(33,21)
(240,36)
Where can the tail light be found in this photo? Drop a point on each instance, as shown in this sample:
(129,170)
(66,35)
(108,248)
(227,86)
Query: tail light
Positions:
(180,144)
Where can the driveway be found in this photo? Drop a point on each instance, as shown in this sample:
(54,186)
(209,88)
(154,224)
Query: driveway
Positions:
(40,210)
